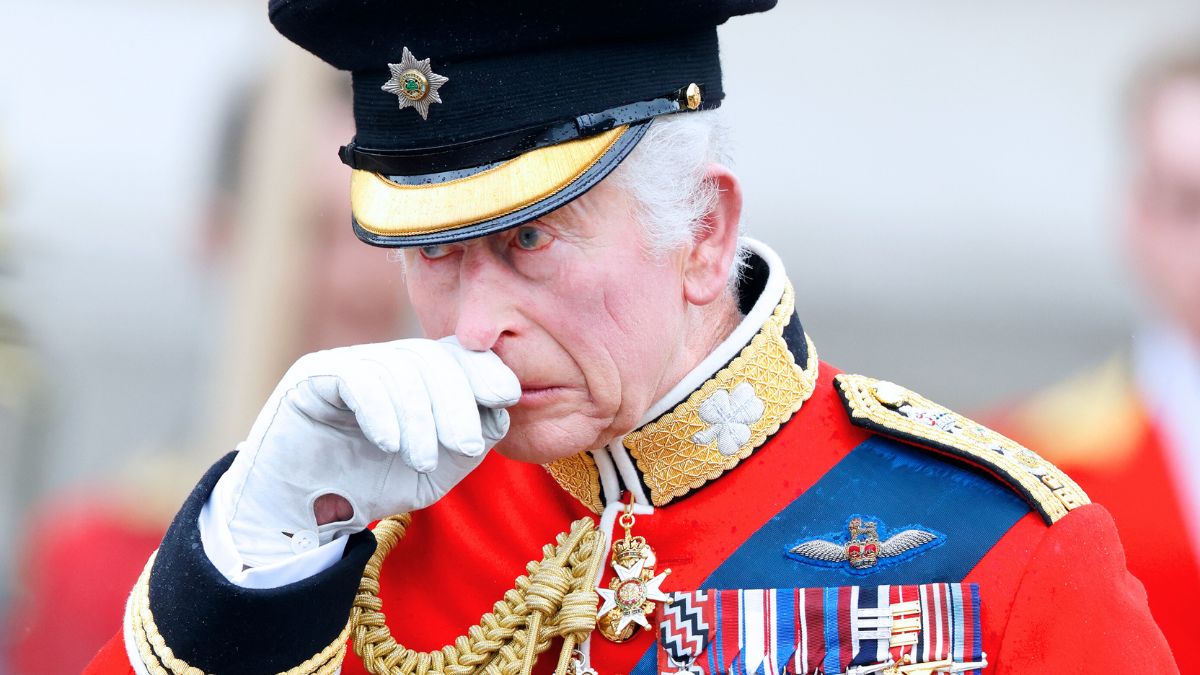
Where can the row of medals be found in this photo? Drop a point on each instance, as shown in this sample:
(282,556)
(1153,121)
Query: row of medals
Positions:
(634,589)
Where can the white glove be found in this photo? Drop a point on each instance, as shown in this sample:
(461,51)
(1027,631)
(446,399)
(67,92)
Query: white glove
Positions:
(390,427)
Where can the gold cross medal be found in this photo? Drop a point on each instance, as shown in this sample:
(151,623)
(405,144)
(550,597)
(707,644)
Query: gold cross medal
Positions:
(631,594)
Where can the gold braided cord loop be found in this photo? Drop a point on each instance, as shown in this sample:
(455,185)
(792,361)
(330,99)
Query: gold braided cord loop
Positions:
(159,659)
(555,598)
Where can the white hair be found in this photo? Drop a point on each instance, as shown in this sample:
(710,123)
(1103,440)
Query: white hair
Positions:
(666,174)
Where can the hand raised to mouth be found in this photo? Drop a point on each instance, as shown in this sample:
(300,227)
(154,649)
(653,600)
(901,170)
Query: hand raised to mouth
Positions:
(355,434)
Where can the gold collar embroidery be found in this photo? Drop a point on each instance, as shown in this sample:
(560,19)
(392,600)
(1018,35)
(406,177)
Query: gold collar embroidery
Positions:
(720,424)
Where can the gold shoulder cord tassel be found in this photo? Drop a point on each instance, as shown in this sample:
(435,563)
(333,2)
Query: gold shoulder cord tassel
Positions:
(556,598)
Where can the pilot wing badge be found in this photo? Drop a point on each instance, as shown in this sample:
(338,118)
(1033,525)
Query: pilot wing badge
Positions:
(866,546)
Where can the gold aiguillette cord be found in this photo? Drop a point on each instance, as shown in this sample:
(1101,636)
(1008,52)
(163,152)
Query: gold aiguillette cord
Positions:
(556,598)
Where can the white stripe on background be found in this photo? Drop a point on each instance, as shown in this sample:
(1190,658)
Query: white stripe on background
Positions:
(752,619)
(854,640)
(884,594)
(802,653)
(937,608)
(772,659)
(925,622)
(959,625)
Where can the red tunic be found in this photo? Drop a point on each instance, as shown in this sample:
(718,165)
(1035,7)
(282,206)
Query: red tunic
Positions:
(1055,598)
(1095,429)
(77,566)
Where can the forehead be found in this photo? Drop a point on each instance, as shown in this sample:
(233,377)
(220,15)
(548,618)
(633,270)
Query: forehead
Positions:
(1173,124)
(605,207)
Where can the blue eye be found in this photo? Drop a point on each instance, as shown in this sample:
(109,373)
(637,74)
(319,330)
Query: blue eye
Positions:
(531,238)
(434,251)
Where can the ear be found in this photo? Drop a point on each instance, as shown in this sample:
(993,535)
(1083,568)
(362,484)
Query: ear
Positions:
(707,264)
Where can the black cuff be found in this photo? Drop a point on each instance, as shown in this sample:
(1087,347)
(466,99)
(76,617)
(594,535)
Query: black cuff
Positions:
(217,626)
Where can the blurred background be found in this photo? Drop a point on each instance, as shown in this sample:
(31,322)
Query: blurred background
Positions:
(945,181)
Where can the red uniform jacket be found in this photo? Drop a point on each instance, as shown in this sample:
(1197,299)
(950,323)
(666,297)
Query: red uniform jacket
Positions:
(1095,428)
(1056,599)
(775,472)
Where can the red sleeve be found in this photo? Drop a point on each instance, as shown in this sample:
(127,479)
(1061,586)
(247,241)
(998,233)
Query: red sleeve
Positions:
(1078,610)
(111,659)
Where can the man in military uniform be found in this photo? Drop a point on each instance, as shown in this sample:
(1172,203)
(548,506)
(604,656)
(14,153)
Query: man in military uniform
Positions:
(570,234)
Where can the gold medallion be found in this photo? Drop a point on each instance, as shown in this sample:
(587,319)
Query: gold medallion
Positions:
(413,85)
(631,594)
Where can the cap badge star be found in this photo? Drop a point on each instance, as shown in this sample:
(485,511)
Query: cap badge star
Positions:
(414,83)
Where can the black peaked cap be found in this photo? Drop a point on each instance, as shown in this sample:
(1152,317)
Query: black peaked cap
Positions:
(522,75)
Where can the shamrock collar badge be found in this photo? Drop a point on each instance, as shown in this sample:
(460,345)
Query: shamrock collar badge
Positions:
(414,83)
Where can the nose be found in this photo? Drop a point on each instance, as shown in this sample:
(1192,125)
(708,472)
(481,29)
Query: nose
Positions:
(484,312)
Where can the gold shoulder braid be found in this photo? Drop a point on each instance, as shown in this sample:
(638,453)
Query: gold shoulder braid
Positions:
(894,411)
(556,598)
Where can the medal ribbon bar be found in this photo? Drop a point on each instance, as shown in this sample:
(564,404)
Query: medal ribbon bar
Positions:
(856,630)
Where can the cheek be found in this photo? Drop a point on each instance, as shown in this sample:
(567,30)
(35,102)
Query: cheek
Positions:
(1173,252)
(1184,260)
(624,290)
(433,299)
(644,306)
(623,332)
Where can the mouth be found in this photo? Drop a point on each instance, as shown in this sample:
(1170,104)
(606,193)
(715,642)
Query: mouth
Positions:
(537,395)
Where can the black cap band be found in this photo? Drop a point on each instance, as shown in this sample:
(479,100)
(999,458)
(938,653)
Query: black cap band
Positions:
(506,104)
(424,162)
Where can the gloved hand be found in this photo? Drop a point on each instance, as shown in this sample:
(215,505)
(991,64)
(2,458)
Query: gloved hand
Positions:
(390,427)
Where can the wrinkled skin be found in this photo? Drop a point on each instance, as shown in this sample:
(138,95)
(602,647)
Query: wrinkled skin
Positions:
(595,327)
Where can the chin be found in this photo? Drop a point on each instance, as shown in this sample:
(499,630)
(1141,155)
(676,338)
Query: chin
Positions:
(543,442)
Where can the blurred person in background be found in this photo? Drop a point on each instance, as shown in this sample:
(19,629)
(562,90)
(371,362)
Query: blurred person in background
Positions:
(23,404)
(320,290)
(1129,430)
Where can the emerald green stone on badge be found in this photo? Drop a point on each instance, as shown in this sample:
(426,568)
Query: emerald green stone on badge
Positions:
(415,83)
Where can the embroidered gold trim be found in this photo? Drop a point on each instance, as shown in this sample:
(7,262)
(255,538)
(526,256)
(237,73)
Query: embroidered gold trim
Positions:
(386,208)
(674,463)
(894,410)
(159,659)
(579,476)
